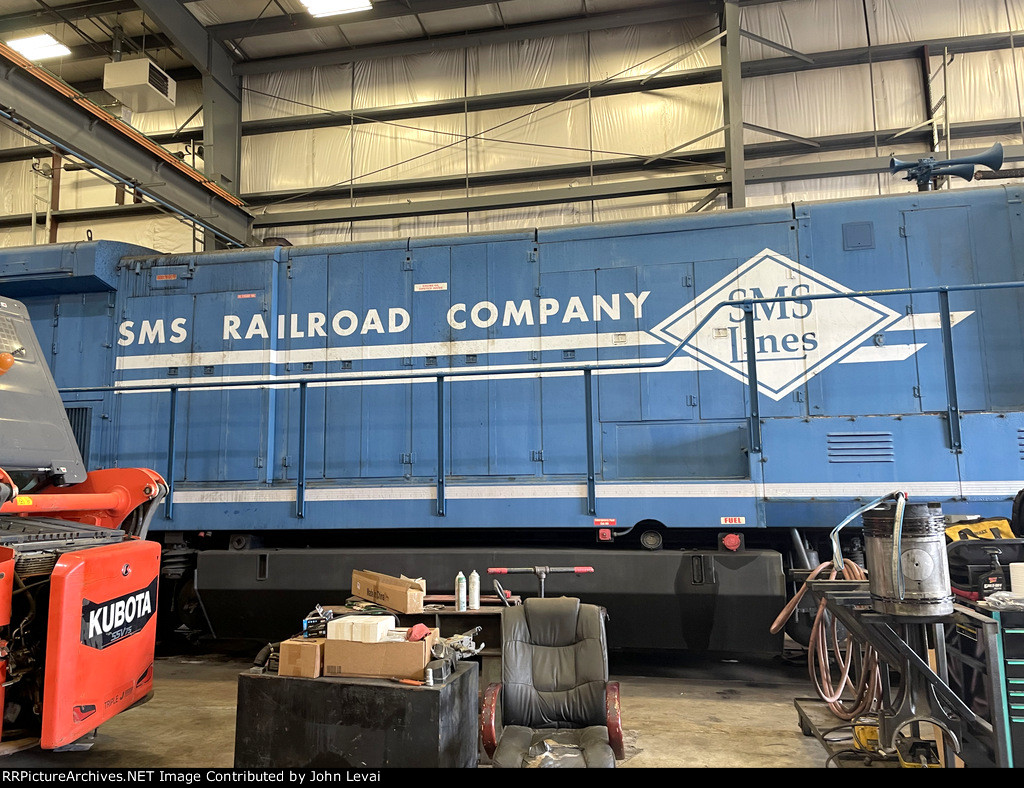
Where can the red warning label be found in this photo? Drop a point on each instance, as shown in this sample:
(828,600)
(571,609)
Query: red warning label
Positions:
(604,523)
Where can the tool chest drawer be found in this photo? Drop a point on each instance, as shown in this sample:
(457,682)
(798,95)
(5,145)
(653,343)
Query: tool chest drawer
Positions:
(1012,635)
(1014,671)
(1011,642)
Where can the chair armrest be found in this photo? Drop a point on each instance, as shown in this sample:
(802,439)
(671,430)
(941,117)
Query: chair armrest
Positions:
(490,719)
(613,719)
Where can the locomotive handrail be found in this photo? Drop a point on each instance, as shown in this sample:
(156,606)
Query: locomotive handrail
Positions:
(754,422)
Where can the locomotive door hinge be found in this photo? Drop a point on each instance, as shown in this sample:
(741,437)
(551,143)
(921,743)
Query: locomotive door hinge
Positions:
(407,265)
(536,456)
(286,462)
(903,231)
(258,462)
(691,400)
(917,392)
(408,458)
(534,255)
(798,396)
(688,280)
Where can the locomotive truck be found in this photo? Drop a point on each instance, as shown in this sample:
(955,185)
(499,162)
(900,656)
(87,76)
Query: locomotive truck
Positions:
(688,404)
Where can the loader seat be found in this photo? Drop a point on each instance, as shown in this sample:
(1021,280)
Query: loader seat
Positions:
(554,706)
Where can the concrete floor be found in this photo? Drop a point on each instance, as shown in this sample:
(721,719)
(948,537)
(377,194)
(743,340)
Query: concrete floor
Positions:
(677,712)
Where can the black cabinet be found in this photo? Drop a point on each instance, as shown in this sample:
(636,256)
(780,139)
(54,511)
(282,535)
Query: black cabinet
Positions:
(324,723)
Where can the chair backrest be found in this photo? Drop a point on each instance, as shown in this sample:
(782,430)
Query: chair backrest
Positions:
(554,664)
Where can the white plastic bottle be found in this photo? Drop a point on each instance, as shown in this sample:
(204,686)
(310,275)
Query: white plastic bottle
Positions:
(474,590)
(460,592)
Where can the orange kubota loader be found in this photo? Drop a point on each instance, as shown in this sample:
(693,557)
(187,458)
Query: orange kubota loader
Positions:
(78,581)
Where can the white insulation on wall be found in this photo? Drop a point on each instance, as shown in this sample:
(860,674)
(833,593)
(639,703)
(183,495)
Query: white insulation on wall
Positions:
(879,98)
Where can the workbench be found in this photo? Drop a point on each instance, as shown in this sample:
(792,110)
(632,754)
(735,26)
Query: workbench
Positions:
(290,722)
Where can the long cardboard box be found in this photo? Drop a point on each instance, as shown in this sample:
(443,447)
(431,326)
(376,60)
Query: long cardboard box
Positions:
(396,660)
(395,593)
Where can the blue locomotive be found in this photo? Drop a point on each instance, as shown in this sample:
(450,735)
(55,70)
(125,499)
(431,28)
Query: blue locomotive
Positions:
(687,404)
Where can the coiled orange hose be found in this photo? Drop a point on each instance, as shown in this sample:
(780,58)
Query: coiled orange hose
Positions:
(857,663)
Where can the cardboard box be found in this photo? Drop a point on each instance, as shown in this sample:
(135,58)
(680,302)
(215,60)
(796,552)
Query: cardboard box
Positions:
(340,628)
(373,629)
(395,593)
(379,660)
(301,657)
(365,629)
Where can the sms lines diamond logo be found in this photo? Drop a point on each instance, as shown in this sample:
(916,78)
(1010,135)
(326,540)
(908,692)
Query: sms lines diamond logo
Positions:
(794,340)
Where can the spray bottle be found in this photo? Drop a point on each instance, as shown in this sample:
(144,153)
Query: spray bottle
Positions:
(460,592)
(474,590)
(995,579)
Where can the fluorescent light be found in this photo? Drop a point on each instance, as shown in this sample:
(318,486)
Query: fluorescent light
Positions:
(41,47)
(334,7)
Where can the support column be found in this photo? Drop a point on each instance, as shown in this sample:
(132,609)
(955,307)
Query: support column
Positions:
(732,104)
(56,162)
(222,140)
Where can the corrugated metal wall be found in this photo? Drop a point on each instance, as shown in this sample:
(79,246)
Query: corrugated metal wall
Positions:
(871,97)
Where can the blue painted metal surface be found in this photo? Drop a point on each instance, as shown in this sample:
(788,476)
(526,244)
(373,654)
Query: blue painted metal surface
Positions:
(81,267)
(703,372)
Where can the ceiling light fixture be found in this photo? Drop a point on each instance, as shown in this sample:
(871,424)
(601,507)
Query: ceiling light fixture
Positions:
(41,47)
(335,7)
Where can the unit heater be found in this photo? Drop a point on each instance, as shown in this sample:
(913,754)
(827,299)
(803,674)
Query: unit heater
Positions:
(139,84)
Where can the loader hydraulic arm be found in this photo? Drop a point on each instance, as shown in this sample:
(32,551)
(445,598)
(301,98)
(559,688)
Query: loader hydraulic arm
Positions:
(106,498)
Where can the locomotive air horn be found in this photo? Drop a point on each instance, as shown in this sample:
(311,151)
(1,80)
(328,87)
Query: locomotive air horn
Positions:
(925,171)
